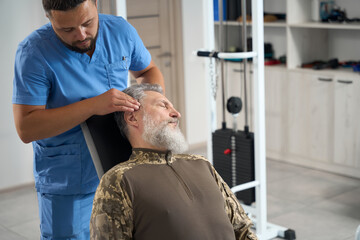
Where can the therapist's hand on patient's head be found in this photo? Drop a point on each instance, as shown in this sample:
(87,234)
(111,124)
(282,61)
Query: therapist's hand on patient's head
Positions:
(114,100)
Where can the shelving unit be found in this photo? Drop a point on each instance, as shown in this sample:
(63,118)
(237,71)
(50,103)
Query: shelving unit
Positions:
(309,121)
(306,40)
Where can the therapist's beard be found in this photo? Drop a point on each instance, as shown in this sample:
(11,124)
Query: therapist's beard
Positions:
(82,50)
(163,135)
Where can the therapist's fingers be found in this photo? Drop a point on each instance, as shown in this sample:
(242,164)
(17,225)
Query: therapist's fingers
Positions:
(126,105)
(125,102)
(114,100)
(126,99)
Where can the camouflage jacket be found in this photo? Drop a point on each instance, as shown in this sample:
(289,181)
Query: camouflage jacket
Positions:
(157,195)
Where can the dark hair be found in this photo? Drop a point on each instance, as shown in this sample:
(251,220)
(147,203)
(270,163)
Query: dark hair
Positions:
(136,91)
(62,5)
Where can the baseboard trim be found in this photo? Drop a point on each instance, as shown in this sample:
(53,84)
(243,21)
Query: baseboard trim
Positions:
(18,187)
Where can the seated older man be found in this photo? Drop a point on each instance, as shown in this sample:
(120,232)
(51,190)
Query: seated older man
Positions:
(159,193)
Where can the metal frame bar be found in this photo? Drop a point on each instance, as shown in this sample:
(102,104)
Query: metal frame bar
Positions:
(259,116)
(92,149)
(226,55)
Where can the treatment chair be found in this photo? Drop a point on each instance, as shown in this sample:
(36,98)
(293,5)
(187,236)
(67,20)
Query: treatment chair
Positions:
(106,144)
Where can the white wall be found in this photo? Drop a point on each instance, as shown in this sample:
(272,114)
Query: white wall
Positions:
(17,19)
(195,21)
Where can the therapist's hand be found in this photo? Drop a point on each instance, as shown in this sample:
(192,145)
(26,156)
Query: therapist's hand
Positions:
(113,101)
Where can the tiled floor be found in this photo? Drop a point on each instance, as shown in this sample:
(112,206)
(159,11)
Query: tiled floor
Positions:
(317,205)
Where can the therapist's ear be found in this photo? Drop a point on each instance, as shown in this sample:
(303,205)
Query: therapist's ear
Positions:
(131,119)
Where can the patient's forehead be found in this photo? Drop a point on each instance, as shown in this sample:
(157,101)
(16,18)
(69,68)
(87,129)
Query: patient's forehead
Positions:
(152,97)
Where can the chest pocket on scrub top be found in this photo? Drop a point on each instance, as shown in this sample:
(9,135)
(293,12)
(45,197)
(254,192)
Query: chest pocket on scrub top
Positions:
(118,73)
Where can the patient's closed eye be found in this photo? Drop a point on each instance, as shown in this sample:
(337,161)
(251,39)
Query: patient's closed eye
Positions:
(163,104)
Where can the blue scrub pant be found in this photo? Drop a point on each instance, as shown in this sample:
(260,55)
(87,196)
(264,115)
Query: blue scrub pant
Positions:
(65,217)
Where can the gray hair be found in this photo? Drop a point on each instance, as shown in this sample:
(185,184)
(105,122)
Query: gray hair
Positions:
(136,91)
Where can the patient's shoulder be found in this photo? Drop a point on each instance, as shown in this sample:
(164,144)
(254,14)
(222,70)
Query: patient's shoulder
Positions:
(116,173)
(191,157)
(121,168)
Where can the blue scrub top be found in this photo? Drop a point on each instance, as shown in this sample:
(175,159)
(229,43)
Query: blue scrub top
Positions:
(48,73)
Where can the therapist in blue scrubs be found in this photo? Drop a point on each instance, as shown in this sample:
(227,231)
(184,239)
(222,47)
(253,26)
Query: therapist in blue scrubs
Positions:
(65,72)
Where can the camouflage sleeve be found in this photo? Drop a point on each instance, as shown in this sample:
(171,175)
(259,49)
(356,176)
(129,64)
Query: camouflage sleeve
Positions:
(112,215)
(238,218)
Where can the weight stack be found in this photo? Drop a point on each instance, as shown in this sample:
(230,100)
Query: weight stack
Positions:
(243,145)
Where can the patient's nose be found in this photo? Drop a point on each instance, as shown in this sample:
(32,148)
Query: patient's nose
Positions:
(175,113)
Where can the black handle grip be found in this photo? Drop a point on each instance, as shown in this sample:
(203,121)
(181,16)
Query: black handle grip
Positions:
(241,71)
(325,79)
(207,54)
(345,81)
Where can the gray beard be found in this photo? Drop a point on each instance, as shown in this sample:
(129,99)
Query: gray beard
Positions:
(163,136)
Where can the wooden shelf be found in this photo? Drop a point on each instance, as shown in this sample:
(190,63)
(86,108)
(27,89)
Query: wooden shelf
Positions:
(280,23)
(347,71)
(342,26)
(281,67)
(232,23)
(249,24)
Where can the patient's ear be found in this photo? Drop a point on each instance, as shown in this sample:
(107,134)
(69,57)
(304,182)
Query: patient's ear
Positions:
(131,119)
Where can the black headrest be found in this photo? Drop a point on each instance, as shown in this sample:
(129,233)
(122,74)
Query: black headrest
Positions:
(106,144)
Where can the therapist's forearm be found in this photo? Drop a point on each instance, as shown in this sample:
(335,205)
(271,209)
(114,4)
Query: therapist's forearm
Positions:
(35,122)
(44,123)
